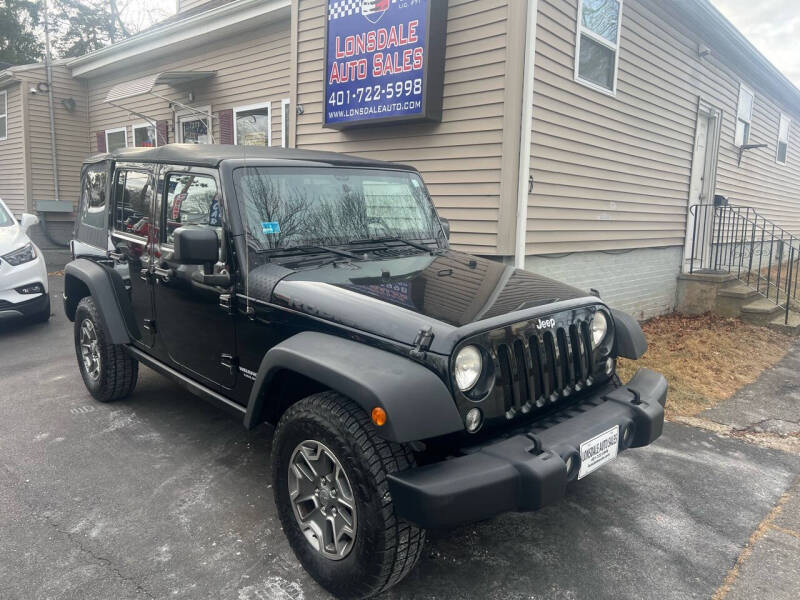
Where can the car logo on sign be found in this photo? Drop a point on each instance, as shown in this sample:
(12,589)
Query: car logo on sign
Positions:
(373,10)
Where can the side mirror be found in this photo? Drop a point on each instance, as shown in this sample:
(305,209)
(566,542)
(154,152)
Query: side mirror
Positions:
(445,226)
(27,221)
(194,246)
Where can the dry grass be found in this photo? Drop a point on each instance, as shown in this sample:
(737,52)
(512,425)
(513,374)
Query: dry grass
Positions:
(705,359)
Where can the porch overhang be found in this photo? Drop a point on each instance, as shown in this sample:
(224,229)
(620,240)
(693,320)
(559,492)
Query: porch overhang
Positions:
(145,85)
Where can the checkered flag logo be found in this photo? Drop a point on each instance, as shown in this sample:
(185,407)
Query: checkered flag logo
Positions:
(371,9)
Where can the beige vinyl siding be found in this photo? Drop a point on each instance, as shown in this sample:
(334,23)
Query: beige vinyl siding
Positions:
(71,137)
(12,153)
(252,69)
(461,157)
(613,172)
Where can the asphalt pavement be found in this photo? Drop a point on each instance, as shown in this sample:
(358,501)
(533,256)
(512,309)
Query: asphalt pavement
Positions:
(164,496)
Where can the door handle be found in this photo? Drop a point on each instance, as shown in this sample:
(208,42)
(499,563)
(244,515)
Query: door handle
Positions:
(116,255)
(144,274)
(164,274)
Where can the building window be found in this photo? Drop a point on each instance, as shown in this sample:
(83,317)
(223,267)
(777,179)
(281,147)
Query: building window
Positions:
(193,126)
(597,44)
(145,135)
(285,115)
(783,139)
(3,115)
(116,139)
(744,115)
(253,125)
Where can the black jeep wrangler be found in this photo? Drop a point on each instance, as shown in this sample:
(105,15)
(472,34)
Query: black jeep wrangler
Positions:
(410,386)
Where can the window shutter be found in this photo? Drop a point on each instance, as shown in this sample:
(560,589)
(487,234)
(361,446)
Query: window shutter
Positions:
(101,141)
(162,132)
(226,126)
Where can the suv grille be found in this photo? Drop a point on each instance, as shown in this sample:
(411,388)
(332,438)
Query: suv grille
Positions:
(535,368)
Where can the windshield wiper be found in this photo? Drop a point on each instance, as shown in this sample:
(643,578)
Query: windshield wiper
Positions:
(412,243)
(307,249)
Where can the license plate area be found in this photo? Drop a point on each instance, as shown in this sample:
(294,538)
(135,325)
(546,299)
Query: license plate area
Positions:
(599,450)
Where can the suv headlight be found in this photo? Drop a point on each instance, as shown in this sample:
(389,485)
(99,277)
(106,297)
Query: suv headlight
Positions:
(468,367)
(599,328)
(22,255)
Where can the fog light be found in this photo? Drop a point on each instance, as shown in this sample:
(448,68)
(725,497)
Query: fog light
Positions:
(570,462)
(627,435)
(31,288)
(473,419)
(609,366)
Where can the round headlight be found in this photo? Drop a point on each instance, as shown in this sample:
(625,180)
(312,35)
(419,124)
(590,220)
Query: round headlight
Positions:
(468,368)
(599,328)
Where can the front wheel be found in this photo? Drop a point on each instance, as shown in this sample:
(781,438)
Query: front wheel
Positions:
(329,472)
(108,371)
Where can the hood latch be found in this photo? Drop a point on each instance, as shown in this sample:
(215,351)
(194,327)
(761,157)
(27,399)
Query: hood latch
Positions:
(422,342)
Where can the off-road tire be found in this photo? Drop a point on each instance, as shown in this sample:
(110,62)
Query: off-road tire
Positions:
(118,369)
(386,547)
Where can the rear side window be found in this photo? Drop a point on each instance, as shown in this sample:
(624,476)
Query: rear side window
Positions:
(191,200)
(93,197)
(134,204)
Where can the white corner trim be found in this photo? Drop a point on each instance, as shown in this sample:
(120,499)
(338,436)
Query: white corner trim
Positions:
(286,104)
(199,29)
(238,109)
(526,128)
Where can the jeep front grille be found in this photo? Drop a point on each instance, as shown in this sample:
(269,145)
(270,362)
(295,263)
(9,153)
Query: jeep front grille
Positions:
(535,368)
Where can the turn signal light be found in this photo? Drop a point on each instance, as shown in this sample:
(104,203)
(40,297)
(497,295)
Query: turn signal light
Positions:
(378,416)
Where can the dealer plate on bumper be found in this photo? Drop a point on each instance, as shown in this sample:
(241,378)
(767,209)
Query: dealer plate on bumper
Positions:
(598,451)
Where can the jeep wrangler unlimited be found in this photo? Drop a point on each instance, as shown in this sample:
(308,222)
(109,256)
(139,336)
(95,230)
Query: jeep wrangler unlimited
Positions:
(410,386)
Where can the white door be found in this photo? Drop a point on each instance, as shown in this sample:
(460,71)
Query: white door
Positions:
(701,187)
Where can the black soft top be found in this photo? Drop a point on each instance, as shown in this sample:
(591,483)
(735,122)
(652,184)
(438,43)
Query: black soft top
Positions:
(211,155)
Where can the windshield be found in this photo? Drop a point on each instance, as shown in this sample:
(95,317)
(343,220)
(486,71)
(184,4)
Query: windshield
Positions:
(291,207)
(6,220)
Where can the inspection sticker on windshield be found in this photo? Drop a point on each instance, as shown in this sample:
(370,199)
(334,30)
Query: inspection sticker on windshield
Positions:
(270,227)
(598,451)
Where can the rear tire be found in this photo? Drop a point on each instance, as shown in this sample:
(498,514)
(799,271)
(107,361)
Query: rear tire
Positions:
(384,548)
(108,371)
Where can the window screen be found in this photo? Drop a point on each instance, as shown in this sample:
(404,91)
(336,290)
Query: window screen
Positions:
(134,204)
(93,196)
(191,200)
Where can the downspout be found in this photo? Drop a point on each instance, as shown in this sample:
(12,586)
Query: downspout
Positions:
(49,72)
(526,125)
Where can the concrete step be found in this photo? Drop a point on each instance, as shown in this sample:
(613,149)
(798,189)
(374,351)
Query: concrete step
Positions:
(790,328)
(760,311)
(730,299)
(737,290)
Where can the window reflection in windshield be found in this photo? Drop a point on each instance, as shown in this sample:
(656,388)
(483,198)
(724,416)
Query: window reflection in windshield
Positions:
(286,208)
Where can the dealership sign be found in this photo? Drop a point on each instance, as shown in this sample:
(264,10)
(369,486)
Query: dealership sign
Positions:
(384,61)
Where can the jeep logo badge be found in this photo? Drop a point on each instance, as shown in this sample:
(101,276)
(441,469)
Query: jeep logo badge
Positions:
(545,324)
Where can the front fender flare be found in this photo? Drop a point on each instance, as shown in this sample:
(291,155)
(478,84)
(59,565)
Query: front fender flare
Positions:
(105,291)
(630,339)
(418,404)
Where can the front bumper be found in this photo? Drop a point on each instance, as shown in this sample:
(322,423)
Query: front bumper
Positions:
(27,308)
(528,471)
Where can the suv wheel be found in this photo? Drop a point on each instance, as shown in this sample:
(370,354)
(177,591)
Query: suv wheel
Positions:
(108,371)
(329,473)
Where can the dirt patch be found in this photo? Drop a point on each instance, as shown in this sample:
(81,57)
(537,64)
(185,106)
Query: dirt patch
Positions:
(705,358)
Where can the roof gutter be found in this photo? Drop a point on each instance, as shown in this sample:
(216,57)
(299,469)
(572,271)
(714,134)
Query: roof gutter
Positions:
(191,31)
(526,127)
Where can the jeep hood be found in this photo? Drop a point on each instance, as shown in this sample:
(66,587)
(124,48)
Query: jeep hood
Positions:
(398,297)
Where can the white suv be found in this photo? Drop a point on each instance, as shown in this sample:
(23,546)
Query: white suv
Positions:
(23,274)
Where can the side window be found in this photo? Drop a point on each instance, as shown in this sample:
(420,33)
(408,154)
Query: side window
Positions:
(192,200)
(134,203)
(93,196)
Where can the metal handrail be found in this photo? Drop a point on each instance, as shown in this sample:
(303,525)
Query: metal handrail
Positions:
(723,234)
